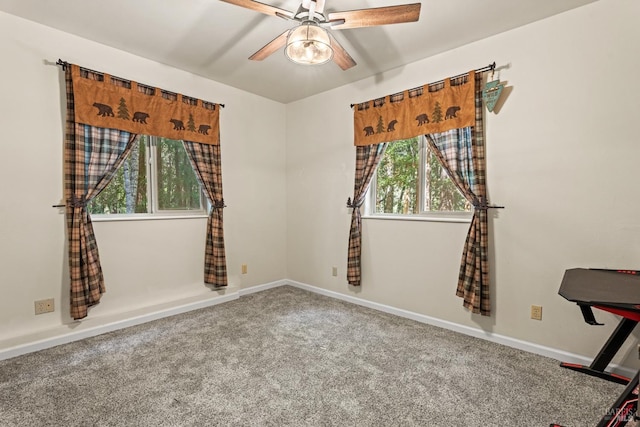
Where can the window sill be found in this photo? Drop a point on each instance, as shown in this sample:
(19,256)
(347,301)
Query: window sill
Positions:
(143,217)
(427,218)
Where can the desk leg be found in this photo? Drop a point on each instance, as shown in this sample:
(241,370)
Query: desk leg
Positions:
(624,409)
(604,357)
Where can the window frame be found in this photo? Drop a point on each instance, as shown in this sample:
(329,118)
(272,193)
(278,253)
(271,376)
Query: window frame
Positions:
(152,194)
(422,215)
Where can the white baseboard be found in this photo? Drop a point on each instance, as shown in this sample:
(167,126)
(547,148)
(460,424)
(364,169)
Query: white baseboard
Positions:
(264,287)
(530,347)
(94,326)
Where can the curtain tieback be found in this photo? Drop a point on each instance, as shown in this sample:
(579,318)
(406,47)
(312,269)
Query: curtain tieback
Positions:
(218,204)
(482,205)
(77,202)
(351,204)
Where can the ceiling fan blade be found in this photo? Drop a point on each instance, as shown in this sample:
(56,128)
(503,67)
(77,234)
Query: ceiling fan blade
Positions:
(285,17)
(262,8)
(270,47)
(340,56)
(375,16)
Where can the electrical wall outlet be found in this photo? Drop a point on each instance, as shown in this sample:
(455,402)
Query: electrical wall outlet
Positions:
(244,268)
(334,271)
(536,312)
(44,306)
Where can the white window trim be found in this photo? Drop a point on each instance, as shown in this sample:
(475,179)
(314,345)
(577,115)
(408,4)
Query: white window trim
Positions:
(464,217)
(143,217)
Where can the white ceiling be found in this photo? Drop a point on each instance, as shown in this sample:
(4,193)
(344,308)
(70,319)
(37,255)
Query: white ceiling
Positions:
(214,39)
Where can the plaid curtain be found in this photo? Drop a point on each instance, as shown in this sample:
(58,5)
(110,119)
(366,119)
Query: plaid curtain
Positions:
(91,157)
(367,159)
(207,164)
(461,152)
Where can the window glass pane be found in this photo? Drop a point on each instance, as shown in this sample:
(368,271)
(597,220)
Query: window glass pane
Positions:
(178,187)
(397,183)
(441,194)
(127,191)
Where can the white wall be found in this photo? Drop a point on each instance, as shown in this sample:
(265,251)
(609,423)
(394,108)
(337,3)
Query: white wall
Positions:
(562,156)
(145,262)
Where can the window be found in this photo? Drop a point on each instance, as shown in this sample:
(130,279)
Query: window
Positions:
(410,181)
(155,178)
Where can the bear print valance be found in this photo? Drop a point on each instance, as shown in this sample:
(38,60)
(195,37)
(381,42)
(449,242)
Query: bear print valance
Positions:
(420,111)
(110,102)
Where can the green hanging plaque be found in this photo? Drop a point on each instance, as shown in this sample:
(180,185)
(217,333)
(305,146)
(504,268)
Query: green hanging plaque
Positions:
(491,93)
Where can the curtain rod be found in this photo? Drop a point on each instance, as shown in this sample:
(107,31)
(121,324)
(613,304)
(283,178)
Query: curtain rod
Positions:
(65,64)
(489,67)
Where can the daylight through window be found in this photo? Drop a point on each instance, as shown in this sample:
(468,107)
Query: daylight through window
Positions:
(410,181)
(155,178)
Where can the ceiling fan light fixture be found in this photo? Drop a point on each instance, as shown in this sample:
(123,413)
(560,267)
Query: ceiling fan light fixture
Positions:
(309,44)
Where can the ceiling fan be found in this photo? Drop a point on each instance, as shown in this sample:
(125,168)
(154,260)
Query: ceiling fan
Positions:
(310,42)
